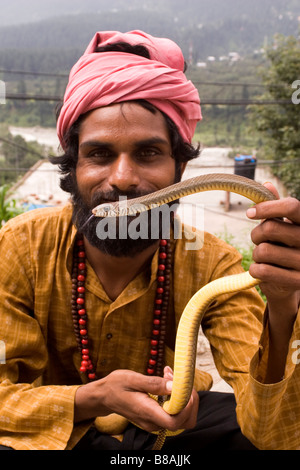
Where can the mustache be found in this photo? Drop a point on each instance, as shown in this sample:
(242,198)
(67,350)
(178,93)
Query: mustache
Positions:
(101,197)
(114,195)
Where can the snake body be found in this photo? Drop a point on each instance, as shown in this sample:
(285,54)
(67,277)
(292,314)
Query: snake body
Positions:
(188,328)
(215,181)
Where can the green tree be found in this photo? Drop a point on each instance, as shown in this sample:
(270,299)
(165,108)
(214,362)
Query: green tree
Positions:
(16,155)
(279,124)
(8,207)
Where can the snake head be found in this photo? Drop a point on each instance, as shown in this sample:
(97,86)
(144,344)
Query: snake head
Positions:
(111,209)
(105,210)
(120,208)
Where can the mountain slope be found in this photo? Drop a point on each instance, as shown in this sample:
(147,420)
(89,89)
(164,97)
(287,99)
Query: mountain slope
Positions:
(211,27)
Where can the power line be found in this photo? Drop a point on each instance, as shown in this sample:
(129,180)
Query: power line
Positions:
(244,102)
(259,164)
(21,147)
(25,97)
(28,170)
(235,84)
(239,102)
(42,74)
(196,82)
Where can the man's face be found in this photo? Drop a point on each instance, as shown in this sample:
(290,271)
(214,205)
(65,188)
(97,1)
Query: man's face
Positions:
(124,150)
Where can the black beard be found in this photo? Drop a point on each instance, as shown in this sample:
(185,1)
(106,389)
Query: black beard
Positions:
(125,246)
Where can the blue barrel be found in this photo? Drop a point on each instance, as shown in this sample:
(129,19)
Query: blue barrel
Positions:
(245,165)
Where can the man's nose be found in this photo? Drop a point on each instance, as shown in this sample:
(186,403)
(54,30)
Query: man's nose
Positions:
(124,174)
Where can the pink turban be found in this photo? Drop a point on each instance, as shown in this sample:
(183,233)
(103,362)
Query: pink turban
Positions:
(101,79)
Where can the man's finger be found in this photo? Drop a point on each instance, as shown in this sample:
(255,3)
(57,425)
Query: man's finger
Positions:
(272,188)
(282,208)
(154,385)
(278,232)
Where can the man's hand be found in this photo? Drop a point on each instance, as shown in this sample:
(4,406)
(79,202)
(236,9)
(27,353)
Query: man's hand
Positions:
(277,265)
(126,393)
(277,252)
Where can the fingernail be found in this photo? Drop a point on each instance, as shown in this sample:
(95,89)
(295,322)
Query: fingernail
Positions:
(251,213)
(169,385)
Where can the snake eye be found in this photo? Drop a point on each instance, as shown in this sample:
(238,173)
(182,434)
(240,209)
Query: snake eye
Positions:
(107,208)
(103,210)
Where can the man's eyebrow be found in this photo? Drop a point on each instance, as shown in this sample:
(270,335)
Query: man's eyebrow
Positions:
(152,141)
(94,143)
(139,143)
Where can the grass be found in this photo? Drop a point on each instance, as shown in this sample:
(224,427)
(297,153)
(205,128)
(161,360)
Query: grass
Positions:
(8,207)
(246,253)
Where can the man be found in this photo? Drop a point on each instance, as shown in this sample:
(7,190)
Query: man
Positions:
(89,322)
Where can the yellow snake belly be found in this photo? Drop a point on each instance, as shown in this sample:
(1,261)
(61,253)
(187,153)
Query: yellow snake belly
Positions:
(188,328)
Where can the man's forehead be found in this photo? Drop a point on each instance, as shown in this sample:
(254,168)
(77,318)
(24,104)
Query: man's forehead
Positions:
(127,118)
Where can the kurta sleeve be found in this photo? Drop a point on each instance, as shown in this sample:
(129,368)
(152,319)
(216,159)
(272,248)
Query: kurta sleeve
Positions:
(237,328)
(269,414)
(31,416)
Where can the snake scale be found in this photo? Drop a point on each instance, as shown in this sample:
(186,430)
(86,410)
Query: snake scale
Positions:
(188,328)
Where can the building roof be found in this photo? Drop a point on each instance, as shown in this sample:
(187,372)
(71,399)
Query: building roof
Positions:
(40,186)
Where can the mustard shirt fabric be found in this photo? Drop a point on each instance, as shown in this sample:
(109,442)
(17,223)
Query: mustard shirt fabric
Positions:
(41,374)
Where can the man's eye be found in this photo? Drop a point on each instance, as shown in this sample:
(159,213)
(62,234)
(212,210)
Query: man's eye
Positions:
(100,153)
(147,153)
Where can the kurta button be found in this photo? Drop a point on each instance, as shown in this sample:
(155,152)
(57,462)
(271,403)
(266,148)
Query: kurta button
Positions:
(109,336)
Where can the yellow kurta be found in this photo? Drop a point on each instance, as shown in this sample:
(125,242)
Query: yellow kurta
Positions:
(41,373)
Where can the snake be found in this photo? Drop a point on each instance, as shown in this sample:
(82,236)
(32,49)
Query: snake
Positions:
(190,320)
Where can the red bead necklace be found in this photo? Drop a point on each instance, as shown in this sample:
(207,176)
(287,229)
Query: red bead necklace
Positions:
(80,320)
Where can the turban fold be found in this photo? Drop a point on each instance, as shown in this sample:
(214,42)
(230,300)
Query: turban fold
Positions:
(103,78)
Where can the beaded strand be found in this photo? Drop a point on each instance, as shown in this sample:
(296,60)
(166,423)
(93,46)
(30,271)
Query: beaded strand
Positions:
(157,343)
(78,308)
(80,318)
